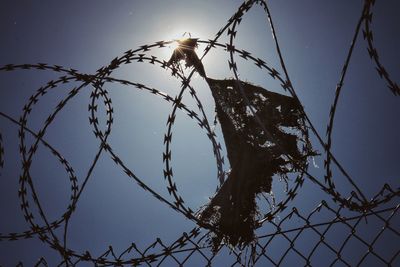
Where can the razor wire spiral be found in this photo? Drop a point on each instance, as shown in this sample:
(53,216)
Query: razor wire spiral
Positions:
(192,242)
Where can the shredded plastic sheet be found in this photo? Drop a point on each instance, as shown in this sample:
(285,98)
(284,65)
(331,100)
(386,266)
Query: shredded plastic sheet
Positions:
(255,154)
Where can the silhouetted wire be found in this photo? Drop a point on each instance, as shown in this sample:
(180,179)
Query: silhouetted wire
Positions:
(192,242)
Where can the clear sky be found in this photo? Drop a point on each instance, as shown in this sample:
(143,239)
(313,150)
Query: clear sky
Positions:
(314,36)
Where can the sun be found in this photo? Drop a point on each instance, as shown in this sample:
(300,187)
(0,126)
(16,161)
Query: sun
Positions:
(174,45)
(176,34)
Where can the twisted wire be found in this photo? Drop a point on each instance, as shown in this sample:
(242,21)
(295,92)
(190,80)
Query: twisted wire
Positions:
(383,206)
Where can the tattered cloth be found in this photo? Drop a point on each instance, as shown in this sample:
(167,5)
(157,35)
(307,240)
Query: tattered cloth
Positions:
(254,154)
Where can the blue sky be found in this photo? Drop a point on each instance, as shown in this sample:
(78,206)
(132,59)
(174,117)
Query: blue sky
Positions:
(314,37)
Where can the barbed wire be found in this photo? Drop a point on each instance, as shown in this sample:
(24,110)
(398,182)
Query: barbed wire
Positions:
(348,212)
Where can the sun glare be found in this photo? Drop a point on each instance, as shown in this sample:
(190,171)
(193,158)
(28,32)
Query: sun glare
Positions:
(176,34)
(172,46)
